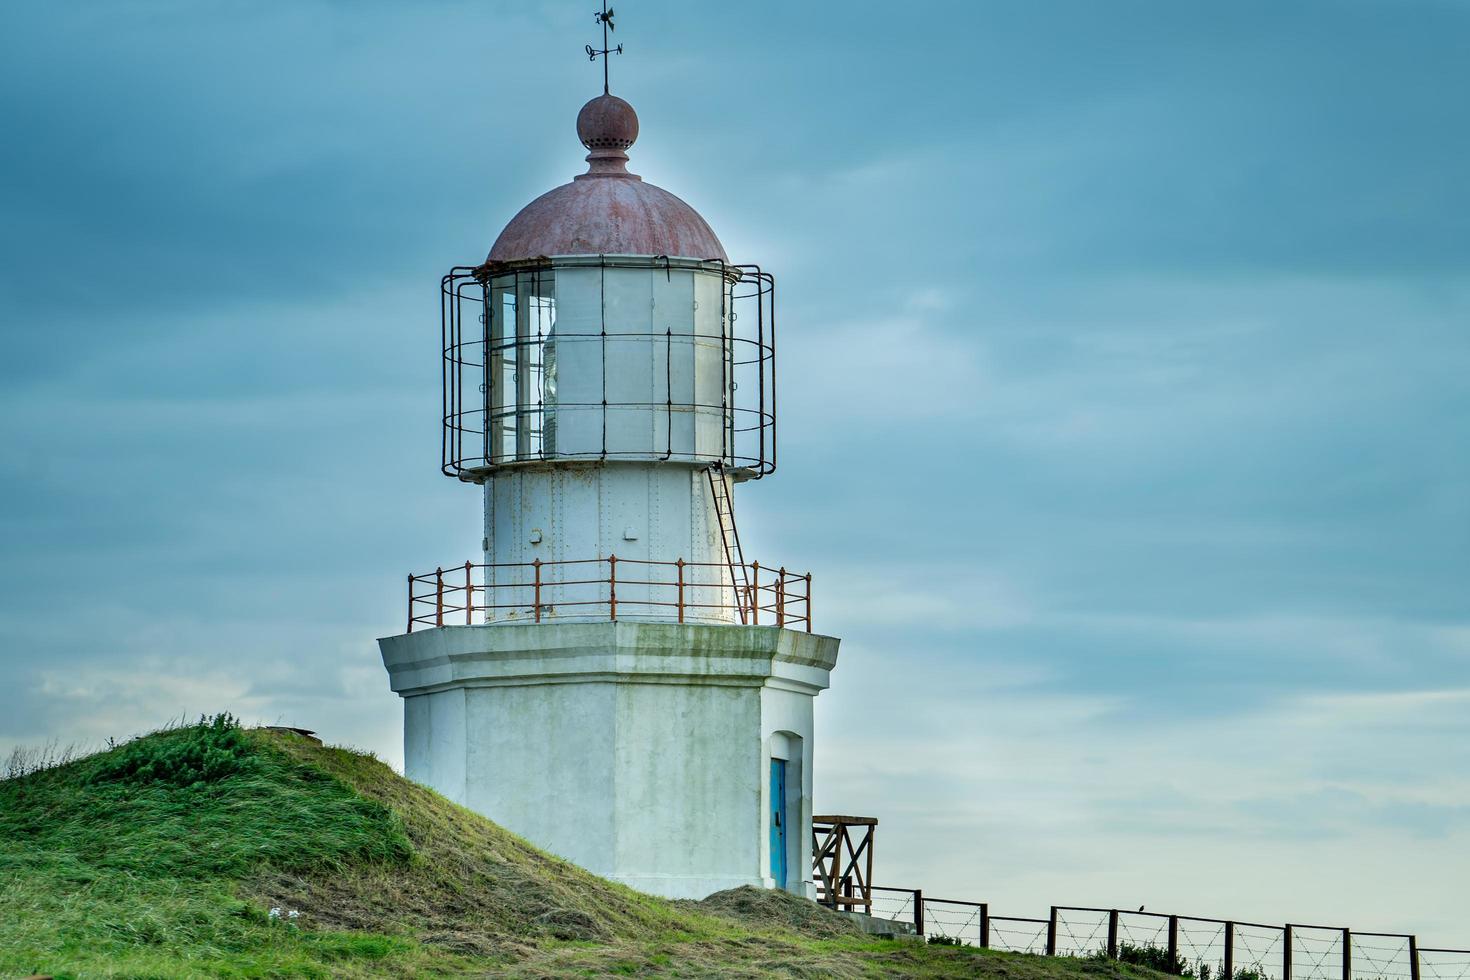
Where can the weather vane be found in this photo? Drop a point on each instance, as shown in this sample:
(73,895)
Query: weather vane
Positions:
(605,18)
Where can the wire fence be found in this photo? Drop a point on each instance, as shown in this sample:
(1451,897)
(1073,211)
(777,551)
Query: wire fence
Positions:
(1184,945)
(1443,964)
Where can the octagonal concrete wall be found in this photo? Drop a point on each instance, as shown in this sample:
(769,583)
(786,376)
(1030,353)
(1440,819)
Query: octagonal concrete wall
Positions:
(640,751)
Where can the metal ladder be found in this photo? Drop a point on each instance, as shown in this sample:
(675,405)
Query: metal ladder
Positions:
(730,538)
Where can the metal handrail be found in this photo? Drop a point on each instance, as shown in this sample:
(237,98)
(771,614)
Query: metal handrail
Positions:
(463,595)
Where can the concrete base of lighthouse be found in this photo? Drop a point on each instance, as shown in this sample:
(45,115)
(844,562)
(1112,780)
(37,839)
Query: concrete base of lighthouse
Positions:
(654,754)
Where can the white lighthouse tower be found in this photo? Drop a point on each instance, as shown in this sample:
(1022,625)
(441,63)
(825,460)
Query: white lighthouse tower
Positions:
(615,681)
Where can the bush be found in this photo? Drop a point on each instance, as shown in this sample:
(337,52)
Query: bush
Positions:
(1154,958)
(945,941)
(208,752)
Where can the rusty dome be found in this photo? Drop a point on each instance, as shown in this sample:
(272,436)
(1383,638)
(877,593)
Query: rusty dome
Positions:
(607,210)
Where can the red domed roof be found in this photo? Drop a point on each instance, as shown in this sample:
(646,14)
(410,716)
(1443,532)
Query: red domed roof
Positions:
(607,210)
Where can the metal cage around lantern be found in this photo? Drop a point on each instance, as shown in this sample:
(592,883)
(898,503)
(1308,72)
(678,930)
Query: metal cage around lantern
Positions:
(522,362)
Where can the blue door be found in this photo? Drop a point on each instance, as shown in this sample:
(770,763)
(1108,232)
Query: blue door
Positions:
(778,821)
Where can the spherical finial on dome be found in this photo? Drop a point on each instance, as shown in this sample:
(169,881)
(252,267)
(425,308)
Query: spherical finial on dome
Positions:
(607,122)
(607,126)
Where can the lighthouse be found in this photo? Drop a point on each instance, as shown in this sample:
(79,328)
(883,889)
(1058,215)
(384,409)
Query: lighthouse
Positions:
(615,679)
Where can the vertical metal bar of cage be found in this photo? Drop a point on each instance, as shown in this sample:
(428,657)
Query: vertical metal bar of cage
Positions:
(447,455)
(772,465)
(547,310)
(760,373)
(495,370)
(727,367)
(410,604)
(524,372)
(669,392)
(602,318)
(486,314)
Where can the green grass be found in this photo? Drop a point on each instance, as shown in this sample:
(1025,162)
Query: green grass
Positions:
(163,857)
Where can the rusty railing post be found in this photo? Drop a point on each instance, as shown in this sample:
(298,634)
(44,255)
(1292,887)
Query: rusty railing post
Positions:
(808,602)
(680,566)
(754,598)
(1229,968)
(1347,954)
(536,567)
(469,596)
(1051,932)
(438,597)
(781,597)
(1112,934)
(410,603)
(612,586)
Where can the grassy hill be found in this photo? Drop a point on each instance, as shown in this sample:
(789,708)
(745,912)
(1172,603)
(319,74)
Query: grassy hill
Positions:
(164,857)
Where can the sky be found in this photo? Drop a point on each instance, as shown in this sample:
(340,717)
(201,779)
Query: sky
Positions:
(1123,423)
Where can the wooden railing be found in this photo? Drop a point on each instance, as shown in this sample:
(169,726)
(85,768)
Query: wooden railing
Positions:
(842,861)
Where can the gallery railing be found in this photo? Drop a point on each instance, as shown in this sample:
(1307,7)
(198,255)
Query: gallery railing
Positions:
(609,588)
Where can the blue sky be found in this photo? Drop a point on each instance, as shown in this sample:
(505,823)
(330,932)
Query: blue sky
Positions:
(1124,412)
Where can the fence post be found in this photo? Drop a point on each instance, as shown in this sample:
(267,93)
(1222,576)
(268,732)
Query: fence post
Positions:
(536,597)
(808,602)
(438,597)
(680,565)
(612,586)
(1286,952)
(1413,958)
(1229,969)
(1051,932)
(1347,954)
(919,911)
(410,603)
(984,925)
(1174,942)
(469,596)
(1112,934)
(781,597)
(754,598)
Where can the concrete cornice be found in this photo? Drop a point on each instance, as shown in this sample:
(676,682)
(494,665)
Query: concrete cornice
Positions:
(622,652)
